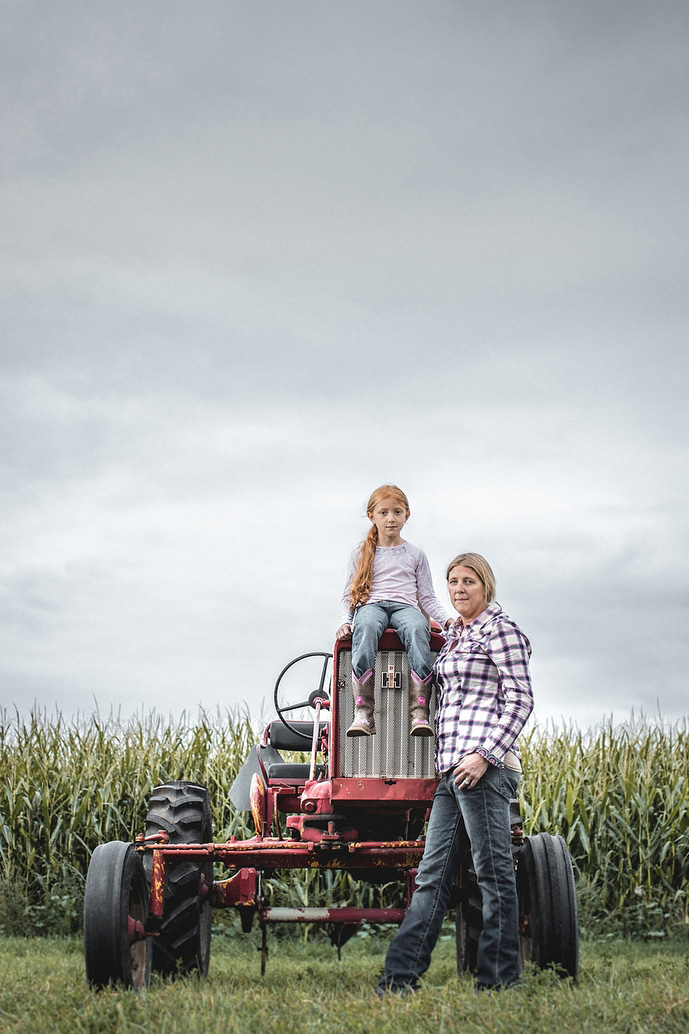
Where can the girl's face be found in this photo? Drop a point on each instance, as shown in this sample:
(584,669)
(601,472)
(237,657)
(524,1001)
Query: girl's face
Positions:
(389,517)
(467,592)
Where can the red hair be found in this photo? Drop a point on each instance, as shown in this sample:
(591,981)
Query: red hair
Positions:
(363,576)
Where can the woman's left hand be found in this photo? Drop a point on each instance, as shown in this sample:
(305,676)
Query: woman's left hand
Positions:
(469,770)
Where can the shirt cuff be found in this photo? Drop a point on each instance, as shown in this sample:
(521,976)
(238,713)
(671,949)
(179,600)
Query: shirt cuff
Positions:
(490,758)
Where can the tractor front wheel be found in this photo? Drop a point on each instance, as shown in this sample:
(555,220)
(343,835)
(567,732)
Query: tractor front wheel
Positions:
(116,949)
(183,810)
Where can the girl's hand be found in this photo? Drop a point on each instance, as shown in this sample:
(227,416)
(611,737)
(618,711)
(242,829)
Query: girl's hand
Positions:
(344,631)
(469,770)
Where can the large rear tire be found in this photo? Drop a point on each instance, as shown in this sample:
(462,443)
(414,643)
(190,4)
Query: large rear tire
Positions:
(468,915)
(548,923)
(115,907)
(183,810)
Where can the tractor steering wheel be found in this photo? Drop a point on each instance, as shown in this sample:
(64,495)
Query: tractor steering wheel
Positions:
(317,694)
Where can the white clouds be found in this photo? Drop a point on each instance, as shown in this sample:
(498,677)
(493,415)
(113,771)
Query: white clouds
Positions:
(228,541)
(265,259)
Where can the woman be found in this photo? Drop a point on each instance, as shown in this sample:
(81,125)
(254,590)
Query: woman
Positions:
(484,699)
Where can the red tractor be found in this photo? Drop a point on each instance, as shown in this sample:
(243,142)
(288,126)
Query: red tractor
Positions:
(359,805)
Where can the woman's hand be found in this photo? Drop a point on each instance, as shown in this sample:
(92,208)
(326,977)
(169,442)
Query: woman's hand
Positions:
(344,631)
(469,770)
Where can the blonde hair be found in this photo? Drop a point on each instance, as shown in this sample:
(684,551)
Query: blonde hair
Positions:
(363,576)
(480,566)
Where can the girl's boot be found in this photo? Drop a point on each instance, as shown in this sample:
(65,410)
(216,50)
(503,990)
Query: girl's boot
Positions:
(419,690)
(364,701)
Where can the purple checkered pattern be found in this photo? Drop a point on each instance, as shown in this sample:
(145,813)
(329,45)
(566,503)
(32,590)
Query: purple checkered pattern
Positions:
(483,689)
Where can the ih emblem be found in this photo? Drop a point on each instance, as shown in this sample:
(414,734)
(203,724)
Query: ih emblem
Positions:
(391,679)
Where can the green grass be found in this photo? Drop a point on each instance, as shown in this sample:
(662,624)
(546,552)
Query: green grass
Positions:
(624,987)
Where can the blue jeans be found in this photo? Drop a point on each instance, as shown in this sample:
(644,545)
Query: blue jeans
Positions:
(484,812)
(371,620)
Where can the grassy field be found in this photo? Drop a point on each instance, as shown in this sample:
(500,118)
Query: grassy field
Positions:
(618,796)
(624,987)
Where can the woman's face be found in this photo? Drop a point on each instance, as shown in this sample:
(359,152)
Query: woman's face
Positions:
(467,592)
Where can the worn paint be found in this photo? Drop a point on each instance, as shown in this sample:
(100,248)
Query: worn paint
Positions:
(273,853)
(331,915)
(239,889)
(158,868)
(257,798)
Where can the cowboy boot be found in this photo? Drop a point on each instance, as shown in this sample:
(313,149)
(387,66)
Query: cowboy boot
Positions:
(363,689)
(419,690)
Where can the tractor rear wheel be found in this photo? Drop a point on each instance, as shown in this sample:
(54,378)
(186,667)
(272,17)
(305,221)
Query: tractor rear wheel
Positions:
(547,904)
(183,810)
(546,893)
(116,951)
(468,915)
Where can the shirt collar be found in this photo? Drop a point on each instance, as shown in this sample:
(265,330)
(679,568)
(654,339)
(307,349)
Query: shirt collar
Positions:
(481,621)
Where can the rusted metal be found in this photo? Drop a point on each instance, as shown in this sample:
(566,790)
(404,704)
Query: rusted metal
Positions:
(158,866)
(161,837)
(331,915)
(239,889)
(316,797)
(257,797)
(272,853)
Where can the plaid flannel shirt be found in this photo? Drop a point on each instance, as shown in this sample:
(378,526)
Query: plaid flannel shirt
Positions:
(483,689)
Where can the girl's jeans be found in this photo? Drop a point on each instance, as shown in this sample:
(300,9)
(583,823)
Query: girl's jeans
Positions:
(484,812)
(371,620)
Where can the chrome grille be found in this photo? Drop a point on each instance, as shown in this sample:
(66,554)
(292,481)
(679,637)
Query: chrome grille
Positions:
(391,753)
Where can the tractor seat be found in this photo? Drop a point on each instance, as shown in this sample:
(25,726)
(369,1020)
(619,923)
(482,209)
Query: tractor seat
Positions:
(284,771)
(282,738)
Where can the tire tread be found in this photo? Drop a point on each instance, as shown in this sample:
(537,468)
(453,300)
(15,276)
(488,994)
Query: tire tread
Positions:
(182,809)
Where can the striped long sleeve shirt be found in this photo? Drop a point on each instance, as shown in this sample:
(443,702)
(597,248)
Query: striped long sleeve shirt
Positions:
(483,689)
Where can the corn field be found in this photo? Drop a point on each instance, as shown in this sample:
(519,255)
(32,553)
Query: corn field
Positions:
(619,796)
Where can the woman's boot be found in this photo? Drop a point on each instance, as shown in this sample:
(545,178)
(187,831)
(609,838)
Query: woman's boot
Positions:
(419,691)
(364,701)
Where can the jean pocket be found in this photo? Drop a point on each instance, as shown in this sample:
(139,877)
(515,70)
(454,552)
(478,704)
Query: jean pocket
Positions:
(509,783)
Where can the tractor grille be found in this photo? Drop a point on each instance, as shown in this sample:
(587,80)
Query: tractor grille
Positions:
(392,752)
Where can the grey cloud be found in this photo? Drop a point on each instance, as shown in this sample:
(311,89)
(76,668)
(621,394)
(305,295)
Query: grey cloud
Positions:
(260,259)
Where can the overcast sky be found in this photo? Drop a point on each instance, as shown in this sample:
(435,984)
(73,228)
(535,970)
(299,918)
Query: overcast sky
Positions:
(260,257)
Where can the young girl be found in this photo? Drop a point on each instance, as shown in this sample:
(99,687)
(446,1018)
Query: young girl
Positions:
(387,580)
